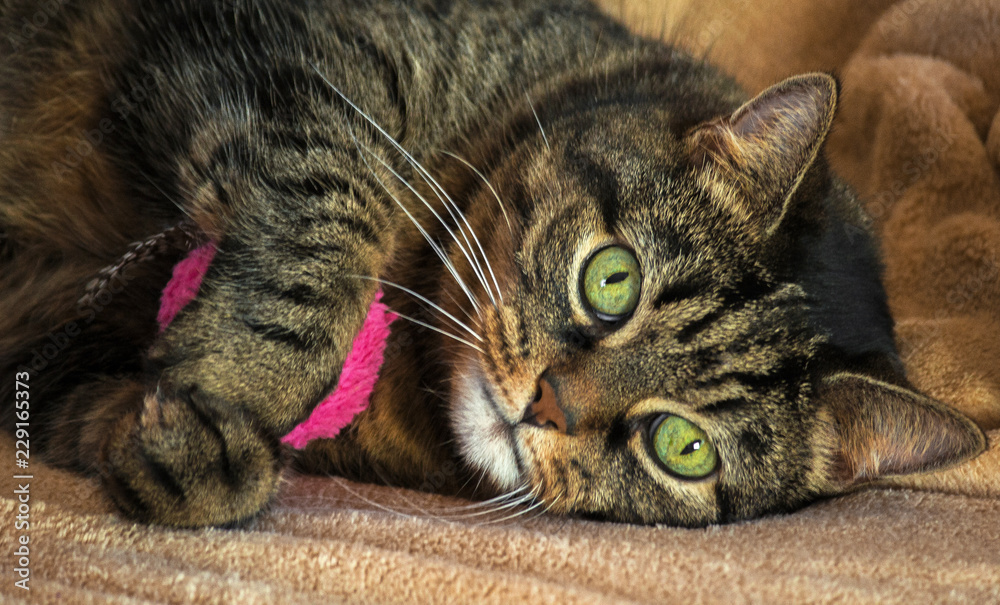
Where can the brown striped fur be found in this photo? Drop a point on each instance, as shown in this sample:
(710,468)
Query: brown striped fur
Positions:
(270,126)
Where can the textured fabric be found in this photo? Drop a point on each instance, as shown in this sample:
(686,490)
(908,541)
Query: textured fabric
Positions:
(184,283)
(919,135)
(329,540)
(356,383)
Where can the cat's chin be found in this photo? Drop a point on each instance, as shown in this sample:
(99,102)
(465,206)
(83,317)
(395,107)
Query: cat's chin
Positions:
(486,439)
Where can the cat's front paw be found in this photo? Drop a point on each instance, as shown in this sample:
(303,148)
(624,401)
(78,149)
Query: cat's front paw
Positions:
(187,460)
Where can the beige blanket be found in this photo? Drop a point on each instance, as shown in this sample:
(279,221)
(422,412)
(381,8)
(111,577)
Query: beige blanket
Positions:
(919,135)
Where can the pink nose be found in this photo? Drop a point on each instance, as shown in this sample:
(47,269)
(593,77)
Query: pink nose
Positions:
(544,411)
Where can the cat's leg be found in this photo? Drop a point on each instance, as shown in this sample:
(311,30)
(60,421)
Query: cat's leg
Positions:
(298,220)
(273,164)
(83,368)
(185,428)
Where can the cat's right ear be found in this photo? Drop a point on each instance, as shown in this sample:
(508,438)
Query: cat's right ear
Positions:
(879,429)
(762,151)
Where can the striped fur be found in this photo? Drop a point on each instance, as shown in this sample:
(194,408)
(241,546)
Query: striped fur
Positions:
(471,155)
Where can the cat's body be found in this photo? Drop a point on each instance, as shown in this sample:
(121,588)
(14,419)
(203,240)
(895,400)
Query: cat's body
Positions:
(749,314)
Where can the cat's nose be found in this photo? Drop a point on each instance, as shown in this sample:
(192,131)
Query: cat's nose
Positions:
(544,410)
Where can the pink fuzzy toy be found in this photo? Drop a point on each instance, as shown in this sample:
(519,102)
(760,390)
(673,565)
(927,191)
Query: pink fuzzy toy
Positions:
(357,379)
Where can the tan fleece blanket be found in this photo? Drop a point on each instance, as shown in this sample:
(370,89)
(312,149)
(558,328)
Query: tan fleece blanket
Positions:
(918,134)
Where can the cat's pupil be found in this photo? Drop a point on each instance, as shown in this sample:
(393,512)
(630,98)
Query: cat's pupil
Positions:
(691,448)
(615,278)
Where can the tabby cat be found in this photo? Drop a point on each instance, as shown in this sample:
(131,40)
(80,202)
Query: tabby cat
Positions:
(630,292)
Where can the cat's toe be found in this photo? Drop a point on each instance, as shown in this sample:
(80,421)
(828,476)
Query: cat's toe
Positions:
(186,460)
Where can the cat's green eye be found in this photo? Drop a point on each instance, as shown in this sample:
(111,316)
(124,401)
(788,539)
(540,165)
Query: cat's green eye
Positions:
(684,448)
(612,282)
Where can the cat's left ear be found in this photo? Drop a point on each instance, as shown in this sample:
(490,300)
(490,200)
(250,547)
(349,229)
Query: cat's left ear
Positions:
(766,146)
(881,429)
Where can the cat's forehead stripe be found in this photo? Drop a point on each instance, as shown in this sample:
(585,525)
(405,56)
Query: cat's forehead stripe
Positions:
(600,182)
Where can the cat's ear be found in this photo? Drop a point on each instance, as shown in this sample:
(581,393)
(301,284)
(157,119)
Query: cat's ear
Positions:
(766,146)
(881,429)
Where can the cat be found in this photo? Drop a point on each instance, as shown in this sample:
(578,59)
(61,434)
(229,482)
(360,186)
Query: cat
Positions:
(630,291)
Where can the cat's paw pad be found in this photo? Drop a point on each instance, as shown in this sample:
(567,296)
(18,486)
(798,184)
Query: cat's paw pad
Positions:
(186,460)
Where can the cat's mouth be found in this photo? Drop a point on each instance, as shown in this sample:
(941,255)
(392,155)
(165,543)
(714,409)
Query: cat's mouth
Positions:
(485,436)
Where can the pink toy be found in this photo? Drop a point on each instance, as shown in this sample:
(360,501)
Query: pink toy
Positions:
(357,379)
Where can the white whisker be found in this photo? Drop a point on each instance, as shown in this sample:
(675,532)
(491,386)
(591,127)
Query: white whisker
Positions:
(428,178)
(476,268)
(378,506)
(452,209)
(519,513)
(485,503)
(549,507)
(434,246)
(182,207)
(424,299)
(488,184)
(447,517)
(439,331)
(496,509)
(537,121)
(479,245)
(455,300)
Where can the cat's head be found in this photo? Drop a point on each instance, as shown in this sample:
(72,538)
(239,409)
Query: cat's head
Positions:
(650,348)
